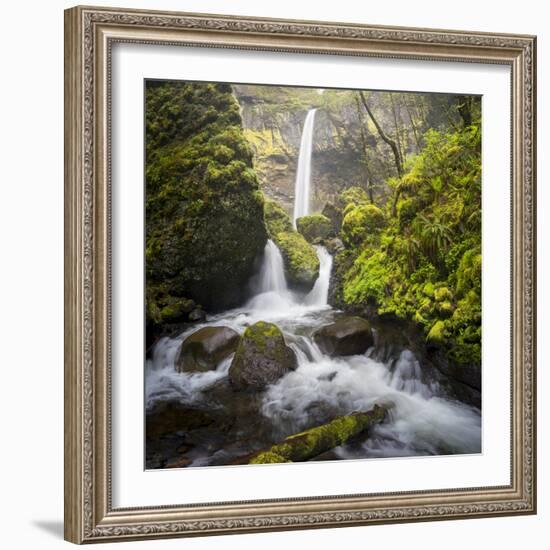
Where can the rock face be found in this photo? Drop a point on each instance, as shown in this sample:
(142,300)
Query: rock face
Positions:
(300,260)
(334,214)
(273,119)
(262,357)
(206,348)
(204,210)
(315,227)
(346,336)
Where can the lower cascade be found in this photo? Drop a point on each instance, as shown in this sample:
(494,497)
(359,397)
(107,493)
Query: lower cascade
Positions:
(225,425)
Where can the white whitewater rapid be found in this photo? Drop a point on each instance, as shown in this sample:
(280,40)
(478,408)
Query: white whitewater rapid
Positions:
(303,173)
(423,420)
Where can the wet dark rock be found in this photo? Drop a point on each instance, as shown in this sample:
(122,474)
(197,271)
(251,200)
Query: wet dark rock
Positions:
(197,315)
(170,417)
(206,348)
(470,375)
(262,357)
(334,214)
(346,336)
(334,246)
(180,462)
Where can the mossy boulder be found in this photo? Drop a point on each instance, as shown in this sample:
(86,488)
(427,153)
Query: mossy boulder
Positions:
(315,227)
(204,210)
(262,357)
(276,219)
(361,222)
(206,348)
(300,260)
(346,336)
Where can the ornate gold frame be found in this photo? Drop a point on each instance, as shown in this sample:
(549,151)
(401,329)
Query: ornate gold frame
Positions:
(89,35)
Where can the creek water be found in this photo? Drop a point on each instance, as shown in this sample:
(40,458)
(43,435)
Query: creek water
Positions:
(423,420)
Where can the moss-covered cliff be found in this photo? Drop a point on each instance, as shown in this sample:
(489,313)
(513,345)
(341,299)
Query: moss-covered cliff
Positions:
(204,210)
(420,257)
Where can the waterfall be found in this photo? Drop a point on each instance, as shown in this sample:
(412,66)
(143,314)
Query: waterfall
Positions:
(303,174)
(272,273)
(319,293)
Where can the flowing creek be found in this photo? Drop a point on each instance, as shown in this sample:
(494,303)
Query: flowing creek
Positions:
(423,419)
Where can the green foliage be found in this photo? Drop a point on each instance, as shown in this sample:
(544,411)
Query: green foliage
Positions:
(425,264)
(315,227)
(204,211)
(276,219)
(355,195)
(361,222)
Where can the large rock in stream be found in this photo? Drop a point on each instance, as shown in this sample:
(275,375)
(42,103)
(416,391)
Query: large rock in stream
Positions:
(206,348)
(346,336)
(315,227)
(262,357)
(300,260)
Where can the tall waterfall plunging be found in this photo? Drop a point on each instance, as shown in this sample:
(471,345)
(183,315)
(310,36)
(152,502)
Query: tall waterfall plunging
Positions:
(303,174)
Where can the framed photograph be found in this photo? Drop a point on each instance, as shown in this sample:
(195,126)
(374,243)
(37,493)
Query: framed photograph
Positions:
(300,274)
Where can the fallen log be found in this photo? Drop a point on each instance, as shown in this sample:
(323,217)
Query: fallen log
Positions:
(311,443)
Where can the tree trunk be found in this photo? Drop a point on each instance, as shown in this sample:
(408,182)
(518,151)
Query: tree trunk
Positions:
(413,126)
(311,443)
(398,137)
(385,137)
(465,109)
(365,153)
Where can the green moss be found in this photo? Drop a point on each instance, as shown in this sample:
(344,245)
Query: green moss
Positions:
(314,227)
(355,195)
(407,209)
(368,278)
(267,457)
(311,443)
(276,219)
(362,222)
(204,210)
(437,333)
(176,309)
(468,275)
(300,259)
(428,289)
(261,332)
(445,309)
(443,294)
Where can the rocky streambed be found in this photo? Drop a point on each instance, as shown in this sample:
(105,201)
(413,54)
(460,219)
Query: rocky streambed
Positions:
(229,390)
